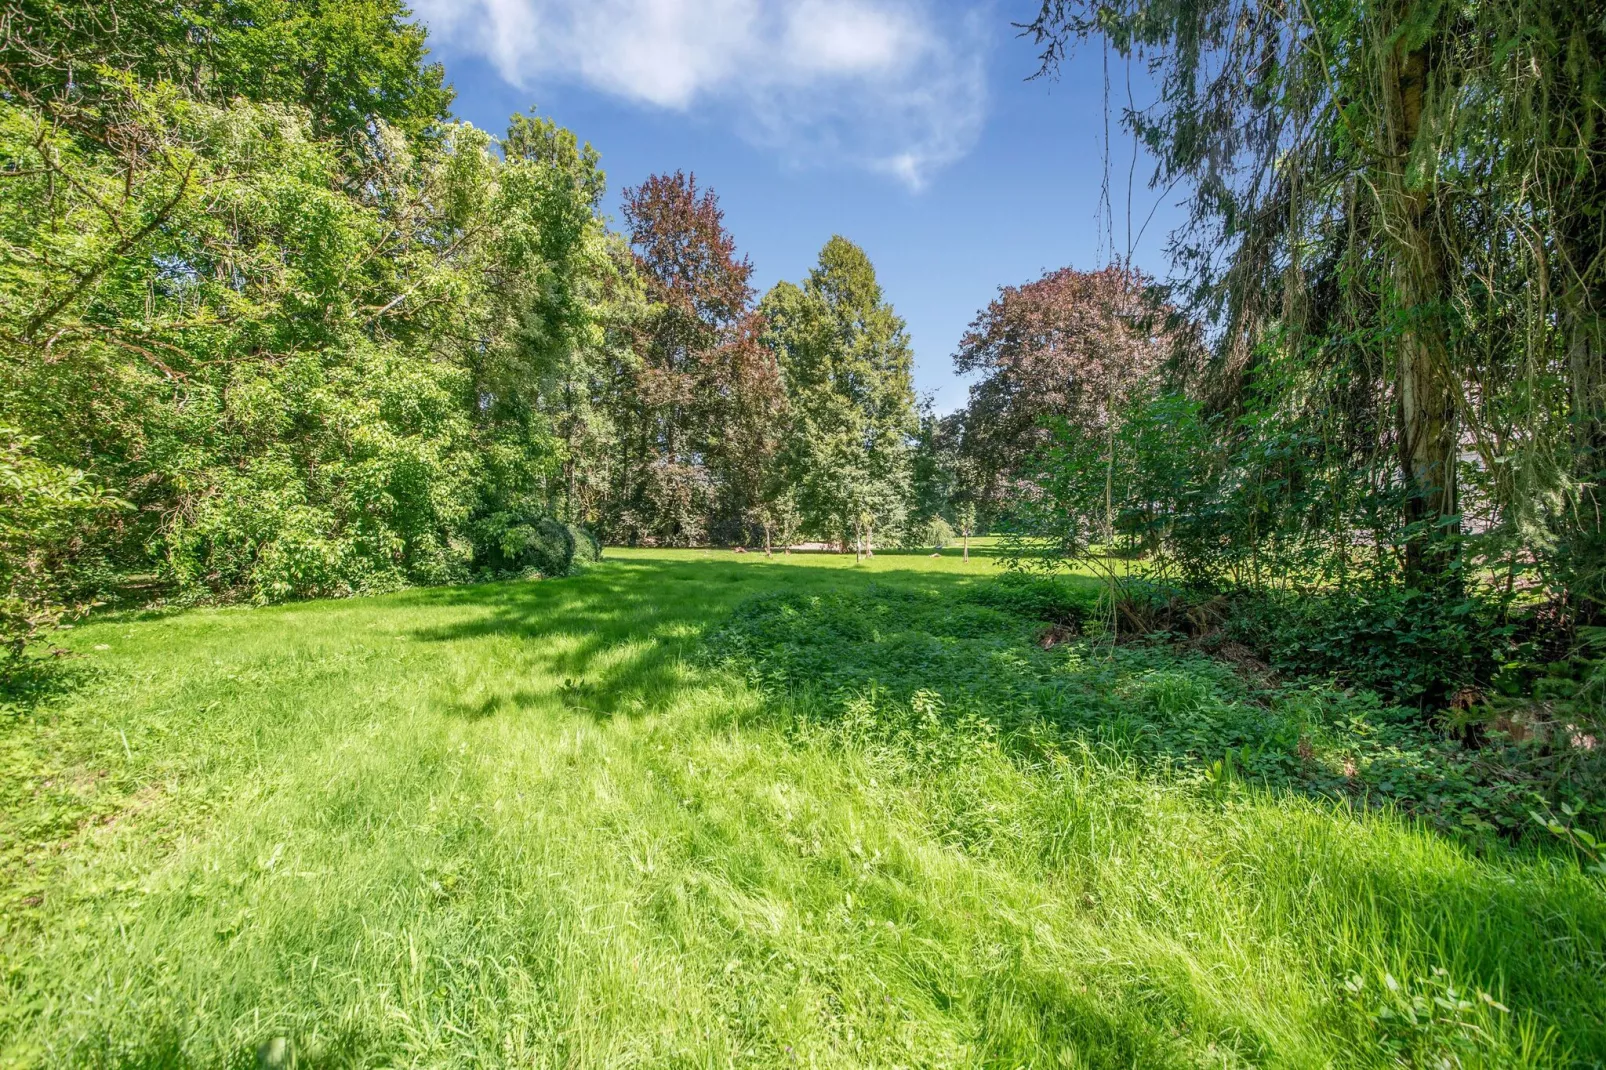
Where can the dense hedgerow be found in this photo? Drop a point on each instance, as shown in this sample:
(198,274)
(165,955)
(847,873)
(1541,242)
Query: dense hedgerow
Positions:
(901,664)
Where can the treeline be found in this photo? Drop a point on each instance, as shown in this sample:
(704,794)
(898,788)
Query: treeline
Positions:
(274,325)
(732,420)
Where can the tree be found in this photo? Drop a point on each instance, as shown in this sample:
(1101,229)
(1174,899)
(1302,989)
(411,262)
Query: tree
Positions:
(304,385)
(698,423)
(349,63)
(563,299)
(1069,346)
(848,368)
(43,508)
(934,470)
(1377,188)
(778,518)
(748,421)
(965,516)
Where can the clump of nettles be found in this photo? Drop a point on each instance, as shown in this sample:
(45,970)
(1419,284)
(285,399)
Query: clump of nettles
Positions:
(1026,659)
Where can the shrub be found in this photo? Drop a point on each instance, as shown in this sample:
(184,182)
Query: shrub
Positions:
(587,547)
(1412,647)
(511,543)
(44,509)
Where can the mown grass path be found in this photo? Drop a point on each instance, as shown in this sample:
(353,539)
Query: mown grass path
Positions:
(516,824)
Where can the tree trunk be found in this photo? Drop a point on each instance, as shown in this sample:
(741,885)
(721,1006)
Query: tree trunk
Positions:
(1426,396)
(1583,316)
(568,463)
(966,536)
(1587,371)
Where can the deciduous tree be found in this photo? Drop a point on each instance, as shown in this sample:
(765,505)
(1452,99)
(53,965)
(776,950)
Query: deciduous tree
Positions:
(1069,346)
(1408,197)
(848,366)
(700,418)
(349,63)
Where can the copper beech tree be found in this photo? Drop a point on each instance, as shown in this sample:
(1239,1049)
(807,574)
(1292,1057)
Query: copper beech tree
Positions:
(699,422)
(1069,346)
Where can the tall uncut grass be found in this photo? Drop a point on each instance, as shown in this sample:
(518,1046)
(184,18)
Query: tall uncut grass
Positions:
(524,824)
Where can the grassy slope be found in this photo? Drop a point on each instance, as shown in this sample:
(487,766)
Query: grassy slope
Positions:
(512,823)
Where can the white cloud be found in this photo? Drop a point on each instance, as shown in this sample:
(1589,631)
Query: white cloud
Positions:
(884,84)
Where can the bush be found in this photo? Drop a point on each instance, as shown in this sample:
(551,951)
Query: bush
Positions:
(1412,647)
(512,543)
(587,547)
(44,509)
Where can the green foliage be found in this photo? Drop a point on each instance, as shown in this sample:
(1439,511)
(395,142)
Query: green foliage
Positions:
(517,545)
(1051,599)
(848,371)
(1308,548)
(965,518)
(1411,646)
(700,412)
(43,508)
(936,472)
(350,63)
(1392,399)
(587,547)
(1266,498)
(988,658)
(327,514)
(937,534)
(306,385)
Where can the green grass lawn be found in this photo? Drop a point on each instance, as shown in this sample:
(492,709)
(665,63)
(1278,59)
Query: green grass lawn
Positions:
(527,824)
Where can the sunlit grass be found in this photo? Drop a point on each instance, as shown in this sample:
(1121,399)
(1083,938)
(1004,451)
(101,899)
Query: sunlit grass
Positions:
(518,824)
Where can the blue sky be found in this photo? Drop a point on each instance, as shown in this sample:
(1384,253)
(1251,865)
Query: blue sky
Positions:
(908,126)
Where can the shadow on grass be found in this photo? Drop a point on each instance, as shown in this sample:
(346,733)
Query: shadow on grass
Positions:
(34,680)
(1523,921)
(621,635)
